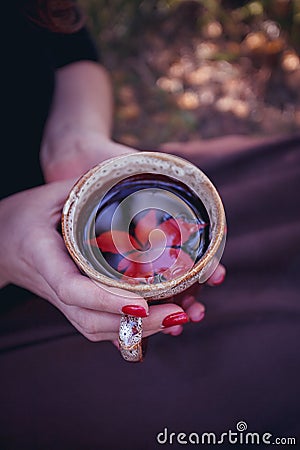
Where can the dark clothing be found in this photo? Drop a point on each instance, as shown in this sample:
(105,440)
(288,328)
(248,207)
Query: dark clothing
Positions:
(60,391)
(29,59)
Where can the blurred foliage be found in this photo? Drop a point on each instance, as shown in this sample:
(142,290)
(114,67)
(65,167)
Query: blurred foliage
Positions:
(124,19)
(187,69)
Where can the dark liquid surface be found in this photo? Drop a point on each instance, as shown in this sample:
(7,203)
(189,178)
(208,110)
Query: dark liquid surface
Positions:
(148,228)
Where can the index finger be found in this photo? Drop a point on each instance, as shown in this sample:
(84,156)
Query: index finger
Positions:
(73,288)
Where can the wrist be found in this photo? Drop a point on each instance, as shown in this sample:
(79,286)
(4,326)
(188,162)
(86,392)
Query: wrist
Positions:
(3,281)
(5,212)
(70,153)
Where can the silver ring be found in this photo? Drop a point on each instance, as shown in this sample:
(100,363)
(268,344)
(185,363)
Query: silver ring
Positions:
(130,338)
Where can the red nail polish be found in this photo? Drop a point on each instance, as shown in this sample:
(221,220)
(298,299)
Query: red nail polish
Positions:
(175,319)
(134,310)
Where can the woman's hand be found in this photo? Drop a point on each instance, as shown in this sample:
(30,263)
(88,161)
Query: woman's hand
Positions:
(33,256)
(189,300)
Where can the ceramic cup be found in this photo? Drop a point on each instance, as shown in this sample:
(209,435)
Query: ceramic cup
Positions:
(82,204)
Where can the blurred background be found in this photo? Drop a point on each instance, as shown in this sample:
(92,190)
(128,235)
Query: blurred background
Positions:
(185,70)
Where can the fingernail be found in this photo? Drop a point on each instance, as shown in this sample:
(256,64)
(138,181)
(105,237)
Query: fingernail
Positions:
(219,280)
(199,318)
(173,331)
(175,319)
(187,301)
(134,310)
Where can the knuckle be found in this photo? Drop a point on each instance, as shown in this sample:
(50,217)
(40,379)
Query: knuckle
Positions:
(88,324)
(106,297)
(92,337)
(63,293)
(27,247)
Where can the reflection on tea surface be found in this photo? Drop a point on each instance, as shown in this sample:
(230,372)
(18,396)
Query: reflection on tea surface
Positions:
(148,228)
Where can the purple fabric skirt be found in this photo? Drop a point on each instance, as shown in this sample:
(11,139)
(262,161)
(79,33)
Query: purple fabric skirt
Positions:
(60,391)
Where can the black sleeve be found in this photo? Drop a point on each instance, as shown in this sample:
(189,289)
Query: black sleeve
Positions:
(68,48)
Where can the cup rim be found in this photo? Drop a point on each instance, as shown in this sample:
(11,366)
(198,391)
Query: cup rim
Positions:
(69,209)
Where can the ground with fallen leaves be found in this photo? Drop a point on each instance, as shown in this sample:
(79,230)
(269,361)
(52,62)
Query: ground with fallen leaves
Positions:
(191,71)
